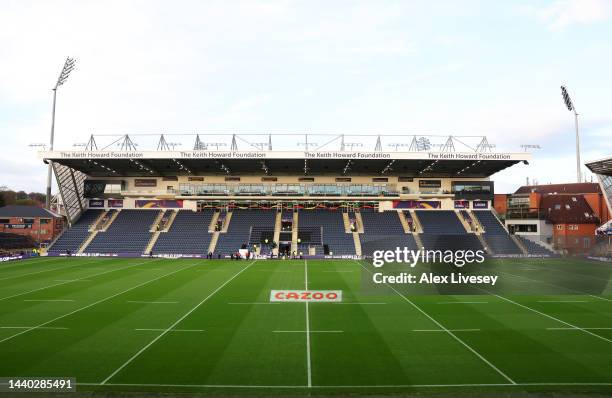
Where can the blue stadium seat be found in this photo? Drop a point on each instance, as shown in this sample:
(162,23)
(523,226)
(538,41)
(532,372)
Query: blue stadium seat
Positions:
(129,233)
(440,222)
(325,227)
(240,228)
(188,234)
(383,231)
(495,234)
(74,237)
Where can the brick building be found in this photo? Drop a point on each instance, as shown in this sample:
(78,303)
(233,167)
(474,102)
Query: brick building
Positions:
(39,224)
(562,215)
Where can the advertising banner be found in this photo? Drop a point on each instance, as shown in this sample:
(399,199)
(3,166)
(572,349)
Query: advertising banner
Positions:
(417,204)
(303,296)
(480,204)
(145,182)
(115,203)
(462,204)
(430,183)
(96,203)
(159,204)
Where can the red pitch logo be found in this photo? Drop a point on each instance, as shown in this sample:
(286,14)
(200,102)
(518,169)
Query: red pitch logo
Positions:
(305,296)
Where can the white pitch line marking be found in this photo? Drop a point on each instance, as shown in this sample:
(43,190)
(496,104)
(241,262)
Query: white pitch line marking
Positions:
(29,327)
(173,330)
(346,386)
(96,302)
(563,301)
(72,280)
(63,283)
(308,360)
(576,328)
(40,272)
(454,336)
(263,303)
(50,301)
(270,270)
(143,349)
(553,318)
(308,331)
(152,302)
(442,330)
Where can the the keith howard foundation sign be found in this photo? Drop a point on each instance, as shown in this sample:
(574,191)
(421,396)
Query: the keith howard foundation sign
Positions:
(59,155)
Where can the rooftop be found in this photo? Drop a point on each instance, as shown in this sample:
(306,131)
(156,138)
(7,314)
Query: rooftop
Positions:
(25,211)
(561,209)
(559,189)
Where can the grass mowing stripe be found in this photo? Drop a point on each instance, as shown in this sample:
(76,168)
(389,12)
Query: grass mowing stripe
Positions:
(74,280)
(143,349)
(308,359)
(173,330)
(96,302)
(26,263)
(152,302)
(553,285)
(380,386)
(553,318)
(454,336)
(27,327)
(46,270)
(50,300)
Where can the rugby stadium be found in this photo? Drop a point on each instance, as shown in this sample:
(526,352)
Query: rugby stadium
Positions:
(253,271)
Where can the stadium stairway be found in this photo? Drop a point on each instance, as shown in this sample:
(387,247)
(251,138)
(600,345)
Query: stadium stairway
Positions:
(239,229)
(404,222)
(72,238)
(277,230)
(416,223)
(495,234)
(295,233)
(188,234)
(347,222)
(213,222)
(128,233)
(535,248)
(466,220)
(359,222)
(383,231)
(328,225)
(442,230)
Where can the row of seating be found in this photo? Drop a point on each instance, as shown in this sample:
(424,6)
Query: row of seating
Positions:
(383,231)
(188,234)
(323,230)
(129,233)
(239,231)
(495,235)
(72,238)
(320,228)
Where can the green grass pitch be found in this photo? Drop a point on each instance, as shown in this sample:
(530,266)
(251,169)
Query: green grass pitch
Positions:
(202,326)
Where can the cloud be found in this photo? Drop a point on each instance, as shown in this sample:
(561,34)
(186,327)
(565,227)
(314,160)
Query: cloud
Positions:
(562,14)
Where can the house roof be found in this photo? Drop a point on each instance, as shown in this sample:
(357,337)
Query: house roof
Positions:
(574,188)
(563,209)
(25,211)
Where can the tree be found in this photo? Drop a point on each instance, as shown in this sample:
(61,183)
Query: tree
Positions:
(21,195)
(8,197)
(27,202)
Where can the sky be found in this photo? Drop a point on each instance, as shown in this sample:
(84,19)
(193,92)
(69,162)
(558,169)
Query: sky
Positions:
(460,67)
